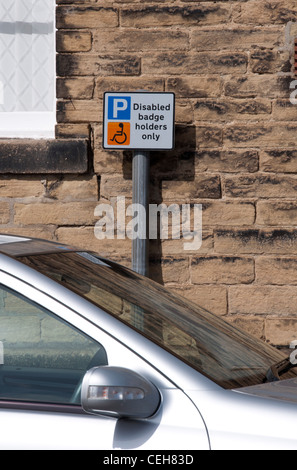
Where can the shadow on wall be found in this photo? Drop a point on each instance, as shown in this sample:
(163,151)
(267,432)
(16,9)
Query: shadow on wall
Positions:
(174,165)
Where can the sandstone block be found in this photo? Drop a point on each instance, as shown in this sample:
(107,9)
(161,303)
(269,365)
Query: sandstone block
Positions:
(66,213)
(21,187)
(81,88)
(73,189)
(261,135)
(284,110)
(168,15)
(279,160)
(222,270)
(74,41)
(239,38)
(139,40)
(86,17)
(229,110)
(170,270)
(204,186)
(4,213)
(195,87)
(281,331)
(277,213)
(79,111)
(268,12)
(263,300)
(265,61)
(261,185)
(224,213)
(209,136)
(176,247)
(255,241)
(276,270)
(186,63)
(95,64)
(229,161)
(148,82)
(253,85)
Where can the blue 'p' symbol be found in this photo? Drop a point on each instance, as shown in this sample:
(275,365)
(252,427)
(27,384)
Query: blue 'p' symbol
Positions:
(119,107)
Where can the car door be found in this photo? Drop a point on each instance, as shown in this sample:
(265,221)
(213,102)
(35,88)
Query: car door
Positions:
(45,350)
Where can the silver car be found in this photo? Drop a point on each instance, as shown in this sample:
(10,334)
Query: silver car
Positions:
(94,356)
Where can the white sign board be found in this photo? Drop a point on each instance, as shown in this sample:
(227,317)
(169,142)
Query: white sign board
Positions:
(138,120)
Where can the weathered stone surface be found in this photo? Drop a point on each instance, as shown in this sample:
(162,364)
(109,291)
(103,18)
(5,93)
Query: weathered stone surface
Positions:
(281,331)
(94,64)
(86,17)
(268,12)
(79,111)
(225,161)
(240,37)
(261,185)
(75,88)
(265,61)
(230,65)
(163,15)
(204,186)
(279,160)
(192,63)
(74,41)
(276,270)
(263,135)
(277,213)
(263,300)
(253,85)
(30,156)
(66,213)
(170,270)
(227,213)
(256,241)
(229,110)
(140,40)
(222,270)
(195,86)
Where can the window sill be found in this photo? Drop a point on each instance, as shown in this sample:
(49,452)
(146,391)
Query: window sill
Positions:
(35,156)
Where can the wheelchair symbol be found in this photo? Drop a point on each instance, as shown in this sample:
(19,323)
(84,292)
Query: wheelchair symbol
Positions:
(119,133)
(120,136)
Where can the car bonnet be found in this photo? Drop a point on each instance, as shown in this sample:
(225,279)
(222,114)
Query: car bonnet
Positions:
(285,390)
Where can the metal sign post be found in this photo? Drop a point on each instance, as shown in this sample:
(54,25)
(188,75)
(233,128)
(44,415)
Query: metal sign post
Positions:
(140,195)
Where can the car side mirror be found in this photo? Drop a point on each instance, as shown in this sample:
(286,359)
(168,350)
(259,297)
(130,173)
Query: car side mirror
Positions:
(118,392)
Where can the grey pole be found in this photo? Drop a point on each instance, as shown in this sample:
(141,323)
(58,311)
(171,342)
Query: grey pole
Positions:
(140,195)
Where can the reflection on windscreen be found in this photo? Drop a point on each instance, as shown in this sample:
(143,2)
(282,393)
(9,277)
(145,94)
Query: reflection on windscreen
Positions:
(209,344)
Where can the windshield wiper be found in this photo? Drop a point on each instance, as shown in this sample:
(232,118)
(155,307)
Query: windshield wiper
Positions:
(276,370)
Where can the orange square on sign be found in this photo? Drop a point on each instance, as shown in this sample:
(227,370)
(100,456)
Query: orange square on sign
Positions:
(118,133)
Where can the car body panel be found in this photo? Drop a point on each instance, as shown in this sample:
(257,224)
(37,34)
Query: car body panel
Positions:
(237,421)
(178,422)
(195,412)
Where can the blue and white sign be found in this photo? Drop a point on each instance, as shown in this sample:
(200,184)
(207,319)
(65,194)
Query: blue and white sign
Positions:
(137,120)
(119,108)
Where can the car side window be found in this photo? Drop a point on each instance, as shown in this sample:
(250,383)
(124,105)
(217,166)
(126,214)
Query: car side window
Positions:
(42,358)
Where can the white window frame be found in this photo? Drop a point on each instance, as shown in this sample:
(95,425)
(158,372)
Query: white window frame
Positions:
(32,123)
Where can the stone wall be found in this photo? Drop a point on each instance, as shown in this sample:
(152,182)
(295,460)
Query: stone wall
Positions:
(230,65)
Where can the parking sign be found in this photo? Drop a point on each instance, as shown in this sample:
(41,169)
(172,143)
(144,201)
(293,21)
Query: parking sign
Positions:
(138,120)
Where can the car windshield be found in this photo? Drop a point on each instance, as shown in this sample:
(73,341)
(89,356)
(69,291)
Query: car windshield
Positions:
(208,343)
